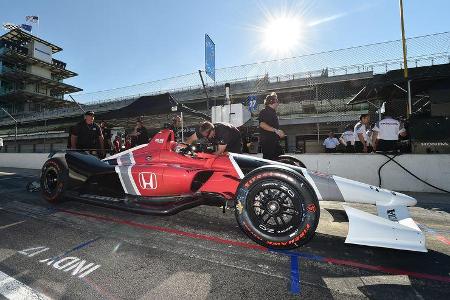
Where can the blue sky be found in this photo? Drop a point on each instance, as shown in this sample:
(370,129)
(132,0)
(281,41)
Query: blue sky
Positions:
(114,43)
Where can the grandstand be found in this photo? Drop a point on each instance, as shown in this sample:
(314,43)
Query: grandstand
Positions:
(314,91)
(31,80)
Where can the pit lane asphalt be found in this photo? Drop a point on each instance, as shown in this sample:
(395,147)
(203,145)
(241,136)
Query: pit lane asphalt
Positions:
(201,253)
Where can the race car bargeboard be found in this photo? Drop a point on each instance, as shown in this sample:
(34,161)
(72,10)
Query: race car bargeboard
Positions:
(277,203)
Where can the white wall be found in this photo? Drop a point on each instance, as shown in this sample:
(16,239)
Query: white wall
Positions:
(23,160)
(433,168)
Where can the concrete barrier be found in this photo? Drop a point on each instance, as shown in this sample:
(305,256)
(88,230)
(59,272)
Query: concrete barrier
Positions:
(23,160)
(433,168)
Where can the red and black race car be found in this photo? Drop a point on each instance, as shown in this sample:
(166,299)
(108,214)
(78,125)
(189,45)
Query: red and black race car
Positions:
(276,203)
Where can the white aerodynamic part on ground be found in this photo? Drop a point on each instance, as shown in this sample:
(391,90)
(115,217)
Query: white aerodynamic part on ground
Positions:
(393,227)
(381,231)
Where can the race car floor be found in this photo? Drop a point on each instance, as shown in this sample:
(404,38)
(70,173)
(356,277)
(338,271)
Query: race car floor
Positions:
(75,250)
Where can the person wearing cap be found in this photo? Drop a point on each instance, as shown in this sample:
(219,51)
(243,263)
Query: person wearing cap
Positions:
(348,139)
(87,136)
(225,136)
(269,128)
(360,132)
(386,132)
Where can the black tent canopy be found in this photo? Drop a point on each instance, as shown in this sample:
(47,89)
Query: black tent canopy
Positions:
(151,105)
(392,84)
(143,106)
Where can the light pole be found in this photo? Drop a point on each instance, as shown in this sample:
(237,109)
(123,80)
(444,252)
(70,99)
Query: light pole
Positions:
(15,121)
(405,61)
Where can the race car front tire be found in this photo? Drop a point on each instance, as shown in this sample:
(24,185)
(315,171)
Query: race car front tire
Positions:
(54,178)
(277,208)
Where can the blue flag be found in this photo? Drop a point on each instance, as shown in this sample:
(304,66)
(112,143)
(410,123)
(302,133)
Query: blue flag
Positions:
(26,27)
(210,57)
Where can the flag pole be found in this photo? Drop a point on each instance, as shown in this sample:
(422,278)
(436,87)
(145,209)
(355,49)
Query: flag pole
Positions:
(405,61)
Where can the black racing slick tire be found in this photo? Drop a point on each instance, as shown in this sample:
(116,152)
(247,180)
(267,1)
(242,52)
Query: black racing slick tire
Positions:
(54,178)
(277,208)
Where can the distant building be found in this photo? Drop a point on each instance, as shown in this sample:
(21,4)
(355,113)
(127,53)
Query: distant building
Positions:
(31,80)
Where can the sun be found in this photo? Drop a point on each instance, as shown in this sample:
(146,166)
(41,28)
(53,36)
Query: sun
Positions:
(282,35)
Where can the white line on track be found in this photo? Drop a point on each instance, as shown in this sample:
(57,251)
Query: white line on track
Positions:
(11,288)
(10,225)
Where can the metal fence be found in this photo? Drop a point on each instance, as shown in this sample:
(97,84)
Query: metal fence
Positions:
(319,85)
(377,58)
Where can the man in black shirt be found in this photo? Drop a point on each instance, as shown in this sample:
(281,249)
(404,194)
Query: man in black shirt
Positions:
(224,135)
(87,136)
(140,133)
(269,128)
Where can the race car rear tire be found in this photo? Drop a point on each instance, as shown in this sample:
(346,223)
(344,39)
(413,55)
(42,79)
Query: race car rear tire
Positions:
(54,177)
(277,208)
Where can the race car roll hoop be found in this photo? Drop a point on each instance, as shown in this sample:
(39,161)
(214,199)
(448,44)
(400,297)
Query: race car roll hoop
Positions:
(277,203)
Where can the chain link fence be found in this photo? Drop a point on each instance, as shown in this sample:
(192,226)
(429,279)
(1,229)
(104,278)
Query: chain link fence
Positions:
(377,58)
(314,89)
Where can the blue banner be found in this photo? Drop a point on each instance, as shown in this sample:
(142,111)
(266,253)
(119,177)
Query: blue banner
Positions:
(26,27)
(252,103)
(210,57)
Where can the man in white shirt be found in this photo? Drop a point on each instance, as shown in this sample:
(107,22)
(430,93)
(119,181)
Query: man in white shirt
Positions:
(1,144)
(361,134)
(330,143)
(348,139)
(386,132)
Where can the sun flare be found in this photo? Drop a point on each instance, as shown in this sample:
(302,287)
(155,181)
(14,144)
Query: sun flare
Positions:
(282,35)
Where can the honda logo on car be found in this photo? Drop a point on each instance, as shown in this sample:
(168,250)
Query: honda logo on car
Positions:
(147,180)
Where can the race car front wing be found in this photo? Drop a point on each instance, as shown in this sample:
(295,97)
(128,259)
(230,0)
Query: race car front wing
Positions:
(393,227)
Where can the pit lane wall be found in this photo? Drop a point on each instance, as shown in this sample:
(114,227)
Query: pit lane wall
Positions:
(23,160)
(433,168)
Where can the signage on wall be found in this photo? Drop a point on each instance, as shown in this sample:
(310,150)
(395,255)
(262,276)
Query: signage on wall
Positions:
(42,52)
